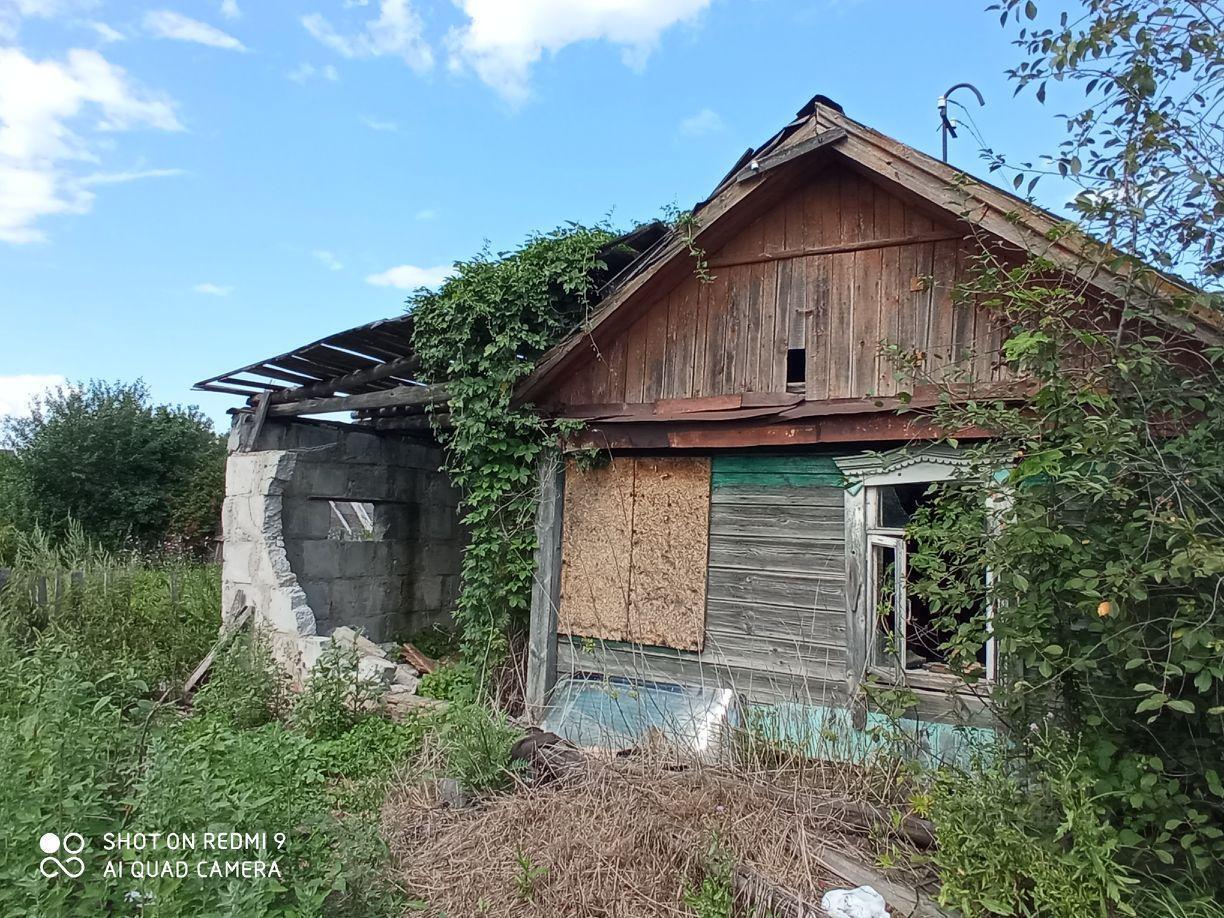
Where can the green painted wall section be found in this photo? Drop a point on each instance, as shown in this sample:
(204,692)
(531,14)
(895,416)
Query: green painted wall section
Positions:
(828,734)
(776,472)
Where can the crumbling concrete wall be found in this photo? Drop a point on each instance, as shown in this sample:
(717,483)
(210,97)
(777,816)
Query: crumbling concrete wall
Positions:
(281,550)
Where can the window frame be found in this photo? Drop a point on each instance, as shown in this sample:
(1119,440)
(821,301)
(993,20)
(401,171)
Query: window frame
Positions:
(867,474)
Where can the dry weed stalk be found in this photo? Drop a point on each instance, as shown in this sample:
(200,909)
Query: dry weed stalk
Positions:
(625,838)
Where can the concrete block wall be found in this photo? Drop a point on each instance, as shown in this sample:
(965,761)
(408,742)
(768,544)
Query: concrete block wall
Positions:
(278,554)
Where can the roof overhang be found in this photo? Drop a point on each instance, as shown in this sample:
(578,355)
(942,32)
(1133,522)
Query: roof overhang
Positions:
(821,134)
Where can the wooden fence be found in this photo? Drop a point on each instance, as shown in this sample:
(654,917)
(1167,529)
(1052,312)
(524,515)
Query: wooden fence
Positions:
(48,589)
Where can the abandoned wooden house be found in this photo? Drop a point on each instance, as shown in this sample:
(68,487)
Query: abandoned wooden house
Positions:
(744,542)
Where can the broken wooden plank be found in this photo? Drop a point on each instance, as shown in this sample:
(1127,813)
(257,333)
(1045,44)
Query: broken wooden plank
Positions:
(228,631)
(788,154)
(905,900)
(416,659)
(355,379)
(400,395)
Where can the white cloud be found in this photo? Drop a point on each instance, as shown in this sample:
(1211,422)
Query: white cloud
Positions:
(213,289)
(427,213)
(327,259)
(16,391)
(176,26)
(13,11)
(131,175)
(106,33)
(706,121)
(42,105)
(503,39)
(396,32)
(230,10)
(304,72)
(377,124)
(409,277)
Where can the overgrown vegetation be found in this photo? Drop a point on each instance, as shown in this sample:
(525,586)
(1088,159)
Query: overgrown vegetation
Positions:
(1088,538)
(131,474)
(91,743)
(480,334)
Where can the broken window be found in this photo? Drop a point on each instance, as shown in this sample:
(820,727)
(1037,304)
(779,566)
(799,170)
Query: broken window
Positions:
(352,521)
(906,637)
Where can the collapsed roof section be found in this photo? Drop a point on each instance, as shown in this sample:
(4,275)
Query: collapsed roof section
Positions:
(371,369)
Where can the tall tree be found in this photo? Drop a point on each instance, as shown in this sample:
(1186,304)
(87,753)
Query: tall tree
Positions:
(1104,540)
(132,473)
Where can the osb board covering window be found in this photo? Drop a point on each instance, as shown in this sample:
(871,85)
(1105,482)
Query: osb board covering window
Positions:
(595,545)
(634,545)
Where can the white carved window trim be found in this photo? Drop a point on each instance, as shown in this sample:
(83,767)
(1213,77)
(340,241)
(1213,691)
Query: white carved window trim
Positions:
(866,475)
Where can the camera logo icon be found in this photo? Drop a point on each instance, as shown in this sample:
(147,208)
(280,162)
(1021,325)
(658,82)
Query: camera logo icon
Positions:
(71,845)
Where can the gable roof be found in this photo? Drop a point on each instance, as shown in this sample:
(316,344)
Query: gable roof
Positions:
(821,133)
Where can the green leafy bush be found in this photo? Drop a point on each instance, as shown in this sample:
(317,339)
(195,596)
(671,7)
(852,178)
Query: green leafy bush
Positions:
(480,334)
(160,621)
(68,749)
(450,682)
(366,759)
(246,688)
(336,696)
(1036,842)
(130,472)
(475,744)
(715,896)
(88,752)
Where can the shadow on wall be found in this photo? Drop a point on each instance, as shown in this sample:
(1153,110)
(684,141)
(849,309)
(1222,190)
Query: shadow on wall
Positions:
(330,525)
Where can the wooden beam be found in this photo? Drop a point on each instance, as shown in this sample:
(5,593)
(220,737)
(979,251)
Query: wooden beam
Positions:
(545,587)
(866,244)
(386,398)
(878,427)
(415,422)
(791,153)
(404,365)
(262,403)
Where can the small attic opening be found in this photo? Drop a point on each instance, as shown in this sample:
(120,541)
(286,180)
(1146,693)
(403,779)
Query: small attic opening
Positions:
(796,367)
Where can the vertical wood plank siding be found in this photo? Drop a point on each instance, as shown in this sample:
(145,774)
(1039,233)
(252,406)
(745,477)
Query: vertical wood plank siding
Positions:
(775,622)
(836,268)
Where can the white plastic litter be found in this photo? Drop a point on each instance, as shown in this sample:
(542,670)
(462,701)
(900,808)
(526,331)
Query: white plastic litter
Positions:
(863,902)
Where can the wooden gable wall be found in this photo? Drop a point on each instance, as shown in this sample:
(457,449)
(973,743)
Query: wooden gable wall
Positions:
(835,268)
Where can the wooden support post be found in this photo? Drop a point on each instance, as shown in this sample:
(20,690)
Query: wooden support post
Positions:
(860,620)
(546,587)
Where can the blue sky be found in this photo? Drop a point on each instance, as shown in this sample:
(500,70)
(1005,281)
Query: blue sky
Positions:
(189,185)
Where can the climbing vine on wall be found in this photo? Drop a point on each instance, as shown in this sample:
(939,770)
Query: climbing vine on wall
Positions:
(480,334)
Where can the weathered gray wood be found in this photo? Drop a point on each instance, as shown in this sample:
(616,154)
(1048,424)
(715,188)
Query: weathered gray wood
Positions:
(398,367)
(749,520)
(400,395)
(784,554)
(761,621)
(793,152)
(546,587)
(228,630)
(762,496)
(778,587)
(857,618)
